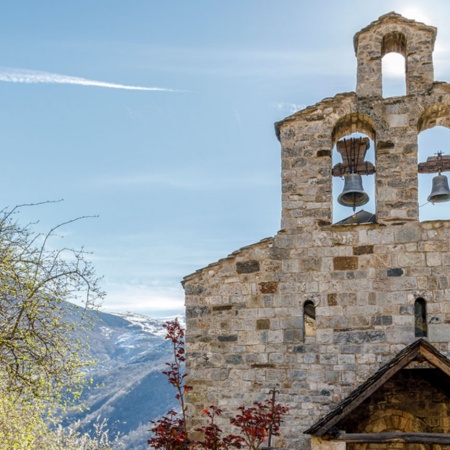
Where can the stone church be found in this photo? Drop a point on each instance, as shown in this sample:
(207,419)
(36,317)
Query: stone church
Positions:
(349,321)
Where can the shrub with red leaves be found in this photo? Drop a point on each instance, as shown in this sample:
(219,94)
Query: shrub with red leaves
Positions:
(256,424)
(260,422)
(212,434)
(169,432)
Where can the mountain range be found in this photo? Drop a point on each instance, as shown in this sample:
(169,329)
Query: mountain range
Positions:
(128,389)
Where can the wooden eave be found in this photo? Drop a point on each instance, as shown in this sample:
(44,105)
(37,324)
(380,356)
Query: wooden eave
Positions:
(420,350)
(389,437)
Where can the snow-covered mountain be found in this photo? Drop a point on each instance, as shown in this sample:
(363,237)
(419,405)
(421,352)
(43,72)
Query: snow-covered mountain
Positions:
(130,389)
(147,324)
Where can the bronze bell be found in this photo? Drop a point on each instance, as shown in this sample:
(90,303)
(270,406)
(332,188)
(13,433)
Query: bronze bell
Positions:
(353,193)
(440,191)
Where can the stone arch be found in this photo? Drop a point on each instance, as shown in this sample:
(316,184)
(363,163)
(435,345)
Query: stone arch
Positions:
(393,41)
(351,126)
(392,37)
(394,420)
(434,115)
(433,132)
(394,33)
(352,123)
(393,54)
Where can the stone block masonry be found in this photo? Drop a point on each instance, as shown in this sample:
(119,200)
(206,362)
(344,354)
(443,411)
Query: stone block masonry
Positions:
(245,314)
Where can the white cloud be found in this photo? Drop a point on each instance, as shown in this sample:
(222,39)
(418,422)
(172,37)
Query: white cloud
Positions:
(12,75)
(290,107)
(151,300)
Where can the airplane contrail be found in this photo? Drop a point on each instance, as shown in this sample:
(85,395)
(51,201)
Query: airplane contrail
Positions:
(11,75)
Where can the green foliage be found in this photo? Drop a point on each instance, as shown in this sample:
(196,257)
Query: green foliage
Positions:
(41,349)
(38,352)
(21,423)
(23,427)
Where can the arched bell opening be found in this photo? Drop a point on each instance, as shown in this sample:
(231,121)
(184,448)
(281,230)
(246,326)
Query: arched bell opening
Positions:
(393,65)
(353,180)
(434,170)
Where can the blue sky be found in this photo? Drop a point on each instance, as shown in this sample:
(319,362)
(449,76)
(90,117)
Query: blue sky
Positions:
(186,174)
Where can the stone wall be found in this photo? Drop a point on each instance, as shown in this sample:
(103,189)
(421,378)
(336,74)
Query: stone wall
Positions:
(245,315)
(245,324)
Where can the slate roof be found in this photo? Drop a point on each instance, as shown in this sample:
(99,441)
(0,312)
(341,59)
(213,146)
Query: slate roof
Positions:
(266,241)
(359,218)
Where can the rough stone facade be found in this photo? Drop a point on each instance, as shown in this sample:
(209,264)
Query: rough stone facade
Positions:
(245,313)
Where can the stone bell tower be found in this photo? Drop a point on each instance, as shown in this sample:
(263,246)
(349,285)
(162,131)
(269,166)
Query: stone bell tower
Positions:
(340,317)
(393,124)
(393,33)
